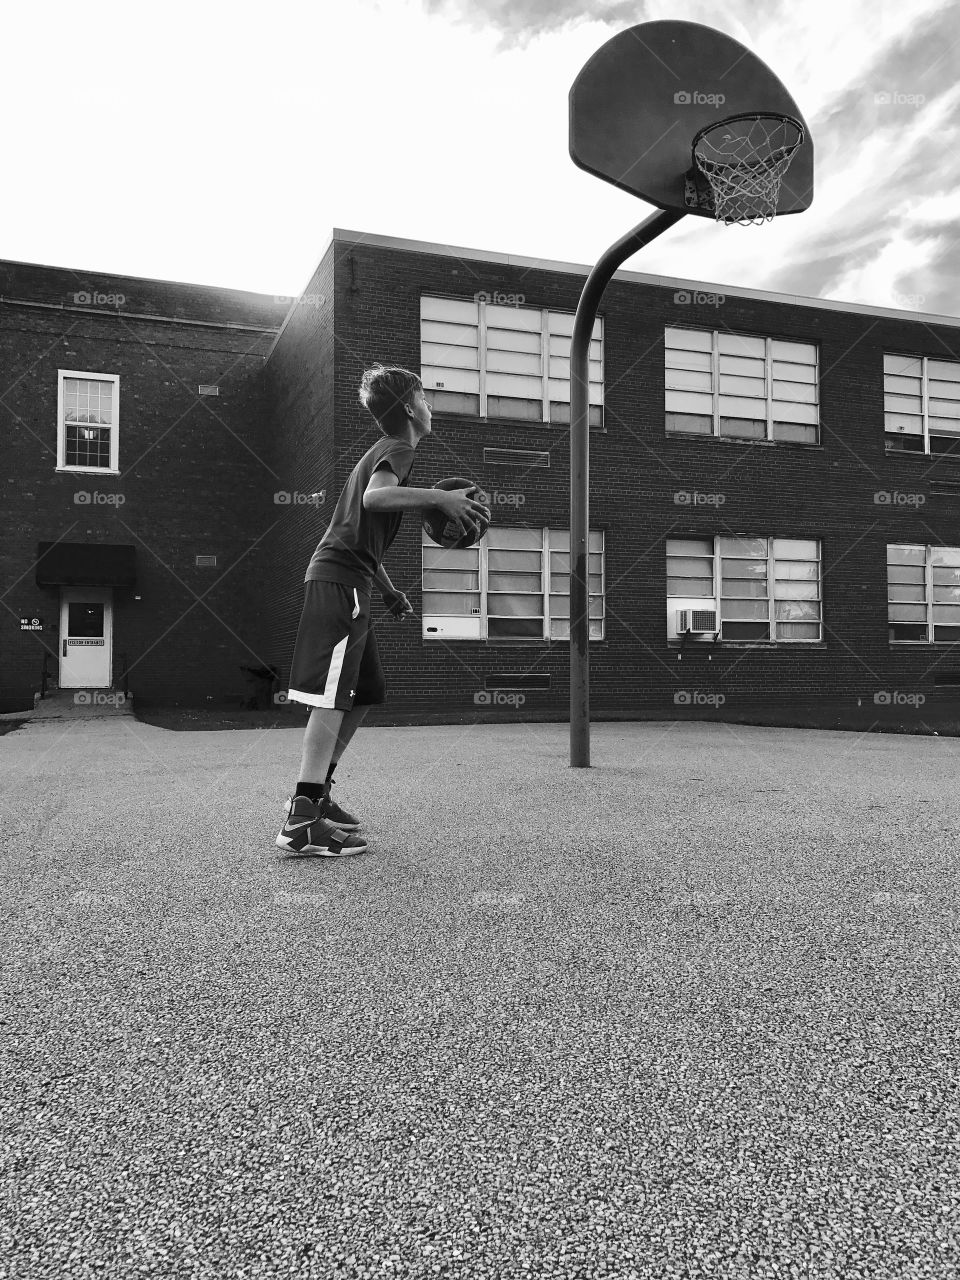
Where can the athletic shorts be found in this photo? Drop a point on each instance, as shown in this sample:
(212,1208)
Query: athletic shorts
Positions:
(335,659)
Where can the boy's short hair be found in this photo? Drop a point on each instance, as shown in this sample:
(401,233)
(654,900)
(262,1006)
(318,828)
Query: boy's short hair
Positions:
(384,390)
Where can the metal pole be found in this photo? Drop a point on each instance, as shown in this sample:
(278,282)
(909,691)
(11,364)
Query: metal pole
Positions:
(587,308)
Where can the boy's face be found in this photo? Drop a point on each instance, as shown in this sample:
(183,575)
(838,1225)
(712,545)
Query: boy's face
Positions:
(422,412)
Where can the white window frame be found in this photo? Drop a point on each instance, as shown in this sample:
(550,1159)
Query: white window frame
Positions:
(924,414)
(480,628)
(929,602)
(705,602)
(114,468)
(596,387)
(768,400)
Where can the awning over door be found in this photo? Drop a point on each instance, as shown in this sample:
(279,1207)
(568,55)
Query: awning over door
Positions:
(84,564)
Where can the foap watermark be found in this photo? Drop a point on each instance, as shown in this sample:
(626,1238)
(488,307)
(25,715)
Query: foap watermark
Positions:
(694,698)
(893,98)
(284,498)
(695,98)
(894,698)
(695,298)
(85,299)
(315,300)
(693,498)
(909,301)
(497,698)
(97,698)
(497,497)
(86,498)
(894,498)
(500,299)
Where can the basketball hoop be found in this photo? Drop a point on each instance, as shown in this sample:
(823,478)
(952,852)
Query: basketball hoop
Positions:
(743,160)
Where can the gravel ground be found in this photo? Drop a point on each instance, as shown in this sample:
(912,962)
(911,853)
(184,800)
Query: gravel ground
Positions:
(689,1013)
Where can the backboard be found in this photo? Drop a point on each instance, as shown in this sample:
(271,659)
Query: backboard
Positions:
(638,103)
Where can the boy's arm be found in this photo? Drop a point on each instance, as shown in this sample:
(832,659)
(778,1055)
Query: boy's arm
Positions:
(381,580)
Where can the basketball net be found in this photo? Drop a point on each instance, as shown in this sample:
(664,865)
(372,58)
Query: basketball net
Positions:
(744,160)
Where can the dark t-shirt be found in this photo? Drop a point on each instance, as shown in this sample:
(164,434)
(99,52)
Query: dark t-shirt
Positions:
(356,541)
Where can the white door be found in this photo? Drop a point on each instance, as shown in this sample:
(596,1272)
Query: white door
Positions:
(86,637)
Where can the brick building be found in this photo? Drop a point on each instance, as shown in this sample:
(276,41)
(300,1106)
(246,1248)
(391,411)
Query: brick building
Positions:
(774,499)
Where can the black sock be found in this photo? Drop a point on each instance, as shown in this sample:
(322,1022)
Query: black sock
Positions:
(312,790)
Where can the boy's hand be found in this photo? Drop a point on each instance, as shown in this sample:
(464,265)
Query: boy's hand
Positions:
(461,507)
(397,604)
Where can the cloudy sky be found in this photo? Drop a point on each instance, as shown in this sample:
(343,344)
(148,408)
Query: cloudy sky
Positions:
(220,142)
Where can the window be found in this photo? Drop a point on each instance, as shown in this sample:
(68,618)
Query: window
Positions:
(923,594)
(740,387)
(491,361)
(514,585)
(921,405)
(768,589)
(87,420)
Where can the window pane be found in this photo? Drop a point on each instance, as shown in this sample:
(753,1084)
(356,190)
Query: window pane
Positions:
(907,633)
(445,355)
(787,412)
(518,561)
(507,407)
(515,628)
(502,604)
(456,309)
(689,339)
(501,317)
(798,631)
(799,352)
(742,546)
(513,582)
(902,366)
(689,546)
(744,631)
(513,340)
(689,402)
(752,388)
(450,580)
(905,573)
(743,407)
(946,577)
(943,409)
(689,380)
(741,429)
(503,536)
(945,555)
(700,360)
(901,386)
(795,548)
(907,612)
(690,586)
(690,566)
(804,373)
(794,392)
(453,402)
(948,635)
(949,613)
(450,603)
(738,344)
(796,610)
(690,424)
(794,432)
(743,588)
(948,370)
(743,366)
(902,592)
(907,422)
(446,379)
(797,571)
(522,362)
(902,404)
(797,591)
(903,553)
(739,610)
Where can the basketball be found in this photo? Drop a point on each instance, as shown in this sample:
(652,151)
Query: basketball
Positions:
(444,531)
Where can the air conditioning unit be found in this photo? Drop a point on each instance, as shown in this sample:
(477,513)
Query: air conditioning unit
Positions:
(697,621)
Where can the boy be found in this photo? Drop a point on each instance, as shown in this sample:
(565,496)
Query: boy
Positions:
(336,668)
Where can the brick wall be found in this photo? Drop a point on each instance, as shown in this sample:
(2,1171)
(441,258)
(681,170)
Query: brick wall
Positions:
(193,478)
